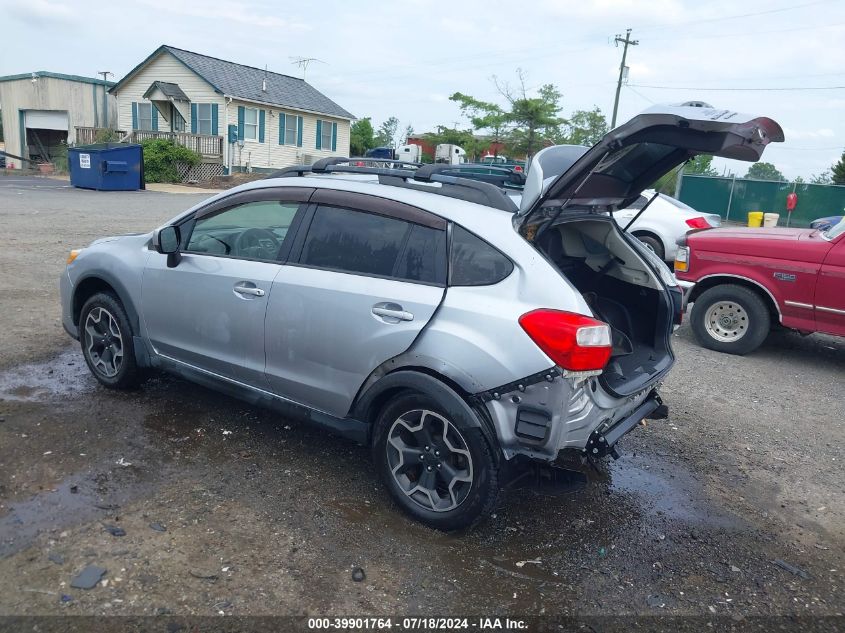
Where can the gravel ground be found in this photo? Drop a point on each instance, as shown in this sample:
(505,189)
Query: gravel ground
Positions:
(231,510)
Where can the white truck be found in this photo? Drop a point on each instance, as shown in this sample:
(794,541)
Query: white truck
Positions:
(409,153)
(450,154)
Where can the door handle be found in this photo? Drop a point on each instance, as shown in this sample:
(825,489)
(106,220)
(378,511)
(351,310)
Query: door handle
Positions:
(392,312)
(247,290)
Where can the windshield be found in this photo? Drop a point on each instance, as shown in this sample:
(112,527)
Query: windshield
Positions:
(835,230)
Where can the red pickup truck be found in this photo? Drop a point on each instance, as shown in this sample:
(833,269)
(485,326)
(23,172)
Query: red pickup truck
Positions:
(744,280)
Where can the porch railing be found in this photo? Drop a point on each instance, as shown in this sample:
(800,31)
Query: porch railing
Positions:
(88,135)
(209,147)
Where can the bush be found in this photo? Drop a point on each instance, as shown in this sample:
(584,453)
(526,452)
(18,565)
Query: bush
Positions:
(106,136)
(161,156)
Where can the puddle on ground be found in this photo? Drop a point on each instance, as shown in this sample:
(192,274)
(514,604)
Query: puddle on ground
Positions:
(59,377)
(661,489)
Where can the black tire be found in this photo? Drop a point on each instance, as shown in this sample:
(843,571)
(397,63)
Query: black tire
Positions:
(477,498)
(101,352)
(654,244)
(749,317)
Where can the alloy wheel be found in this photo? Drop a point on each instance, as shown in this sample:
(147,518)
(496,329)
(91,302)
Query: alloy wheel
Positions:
(429,460)
(103,341)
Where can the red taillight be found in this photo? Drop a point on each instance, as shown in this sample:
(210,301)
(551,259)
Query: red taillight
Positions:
(572,341)
(698,223)
(517,169)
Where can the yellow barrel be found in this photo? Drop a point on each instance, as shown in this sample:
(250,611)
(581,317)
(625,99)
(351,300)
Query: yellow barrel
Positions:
(755,218)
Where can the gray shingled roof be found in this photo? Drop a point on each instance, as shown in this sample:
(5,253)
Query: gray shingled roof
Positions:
(168,89)
(245,82)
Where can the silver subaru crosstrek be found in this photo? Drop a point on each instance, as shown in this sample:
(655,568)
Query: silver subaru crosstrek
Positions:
(423,314)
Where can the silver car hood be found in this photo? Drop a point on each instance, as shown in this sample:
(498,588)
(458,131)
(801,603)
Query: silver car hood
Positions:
(630,158)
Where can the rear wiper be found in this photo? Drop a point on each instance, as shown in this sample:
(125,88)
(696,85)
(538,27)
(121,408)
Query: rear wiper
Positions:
(645,206)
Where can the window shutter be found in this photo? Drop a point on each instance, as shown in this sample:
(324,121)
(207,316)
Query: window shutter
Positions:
(134,116)
(214,119)
(240,123)
(334,137)
(281,128)
(319,133)
(299,131)
(154,111)
(193,118)
(261,126)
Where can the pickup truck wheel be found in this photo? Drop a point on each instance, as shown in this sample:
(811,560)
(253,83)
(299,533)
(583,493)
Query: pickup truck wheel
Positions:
(439,472)
(731,319)
(107,345)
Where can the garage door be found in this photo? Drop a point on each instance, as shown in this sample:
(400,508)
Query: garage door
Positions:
(46,119)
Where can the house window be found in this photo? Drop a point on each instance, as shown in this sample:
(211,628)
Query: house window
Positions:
(177,119)
(204,118)
(145,116)
(326,139)
(251,124)
(291,129)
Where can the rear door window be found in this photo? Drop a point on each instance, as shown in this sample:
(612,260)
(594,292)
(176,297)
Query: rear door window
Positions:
(473,262)
(364,243)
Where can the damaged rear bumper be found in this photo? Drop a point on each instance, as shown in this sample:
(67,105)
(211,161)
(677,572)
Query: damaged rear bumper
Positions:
(554,410)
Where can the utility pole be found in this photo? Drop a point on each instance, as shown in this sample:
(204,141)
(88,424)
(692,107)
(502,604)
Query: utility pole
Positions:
(626,41)
(105,74)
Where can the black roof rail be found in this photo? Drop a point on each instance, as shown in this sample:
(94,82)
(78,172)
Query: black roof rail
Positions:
(322,166)
(461,189)
(474,190)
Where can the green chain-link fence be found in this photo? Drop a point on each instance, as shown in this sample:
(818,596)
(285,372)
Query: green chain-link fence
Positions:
(733,198)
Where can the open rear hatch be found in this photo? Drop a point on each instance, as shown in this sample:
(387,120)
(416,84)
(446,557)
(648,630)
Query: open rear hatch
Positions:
(565,212)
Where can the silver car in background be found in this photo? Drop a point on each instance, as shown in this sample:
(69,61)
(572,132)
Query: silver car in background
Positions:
(422,314)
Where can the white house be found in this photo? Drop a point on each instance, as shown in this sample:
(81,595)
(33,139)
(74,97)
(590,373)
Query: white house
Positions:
(238,117)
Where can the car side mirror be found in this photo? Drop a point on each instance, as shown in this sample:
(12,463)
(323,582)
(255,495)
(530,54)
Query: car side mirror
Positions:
(166,241)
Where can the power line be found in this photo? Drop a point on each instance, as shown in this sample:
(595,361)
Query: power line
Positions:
(739,15)
(698,88)
(745,33)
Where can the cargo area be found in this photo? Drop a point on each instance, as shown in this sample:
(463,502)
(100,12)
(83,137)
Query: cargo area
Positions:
(622,291)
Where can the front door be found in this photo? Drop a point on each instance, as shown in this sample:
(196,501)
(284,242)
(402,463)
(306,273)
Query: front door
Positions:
(830,288)
(361,284)
(208,311)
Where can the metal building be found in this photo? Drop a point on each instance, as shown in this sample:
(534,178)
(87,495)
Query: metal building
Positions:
(42,110)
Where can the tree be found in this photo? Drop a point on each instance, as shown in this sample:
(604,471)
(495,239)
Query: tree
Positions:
(764,171)
(386,136)
(483,116)
(409,132)
(838,171)
(534,118)
(701,166)
(361,137)
(824,178)
(585,127)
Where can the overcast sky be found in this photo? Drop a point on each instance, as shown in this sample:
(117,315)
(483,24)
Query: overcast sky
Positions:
(404,58)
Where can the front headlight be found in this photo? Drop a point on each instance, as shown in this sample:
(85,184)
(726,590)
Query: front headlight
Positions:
(682,259)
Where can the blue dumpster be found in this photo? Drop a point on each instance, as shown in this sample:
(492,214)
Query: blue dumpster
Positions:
(107,167)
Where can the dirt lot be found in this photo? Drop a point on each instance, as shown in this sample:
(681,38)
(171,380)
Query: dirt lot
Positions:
(732,508)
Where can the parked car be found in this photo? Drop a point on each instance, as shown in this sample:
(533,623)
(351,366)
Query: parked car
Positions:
(664,222)
(425,316)
(823,224)
(742,281)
